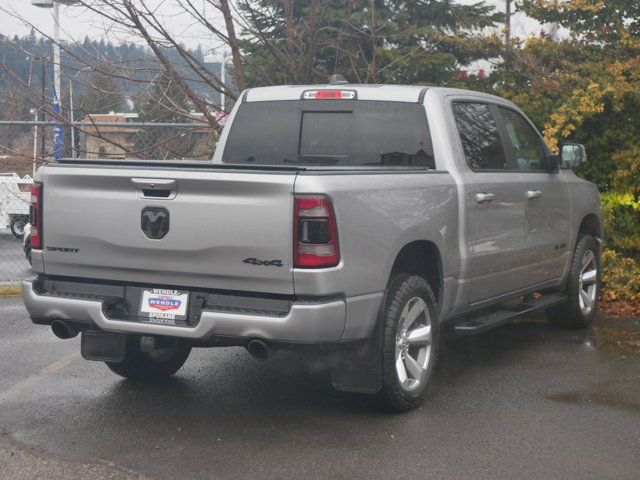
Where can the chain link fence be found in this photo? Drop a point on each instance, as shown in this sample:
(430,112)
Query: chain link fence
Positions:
(25,145)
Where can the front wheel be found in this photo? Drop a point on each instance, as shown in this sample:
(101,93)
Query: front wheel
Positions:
(409,342)
(583,287)
(27,251)
(17,225)
(156,364)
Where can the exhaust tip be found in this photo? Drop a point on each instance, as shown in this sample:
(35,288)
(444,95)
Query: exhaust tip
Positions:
(258,350)
(63,330)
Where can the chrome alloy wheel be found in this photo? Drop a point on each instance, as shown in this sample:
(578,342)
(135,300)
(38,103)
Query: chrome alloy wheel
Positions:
(413,344)
(587,283)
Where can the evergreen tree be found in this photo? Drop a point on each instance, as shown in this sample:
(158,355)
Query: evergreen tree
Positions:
(100,93)
(368,41)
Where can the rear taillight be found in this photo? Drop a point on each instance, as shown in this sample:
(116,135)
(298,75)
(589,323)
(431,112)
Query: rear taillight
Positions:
(315,234)
(35,216)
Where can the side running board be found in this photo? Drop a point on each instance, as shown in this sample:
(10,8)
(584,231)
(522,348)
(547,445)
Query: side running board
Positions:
(505,314)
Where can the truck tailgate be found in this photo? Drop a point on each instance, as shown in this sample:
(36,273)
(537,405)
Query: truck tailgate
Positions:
(227,230)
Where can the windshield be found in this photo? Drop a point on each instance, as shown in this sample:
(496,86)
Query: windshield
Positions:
(330,133)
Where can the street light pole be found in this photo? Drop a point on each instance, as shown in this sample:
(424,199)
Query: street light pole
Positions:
(223,79)
(58,132)
(56,49)
(213,57)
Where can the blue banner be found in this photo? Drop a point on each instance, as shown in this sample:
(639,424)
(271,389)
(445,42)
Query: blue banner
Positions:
(58,130)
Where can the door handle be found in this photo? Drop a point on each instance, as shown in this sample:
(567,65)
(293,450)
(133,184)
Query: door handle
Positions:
(484,197)
(531,194)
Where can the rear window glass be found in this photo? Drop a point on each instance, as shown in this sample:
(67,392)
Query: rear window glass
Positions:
(330,133)
(479,135)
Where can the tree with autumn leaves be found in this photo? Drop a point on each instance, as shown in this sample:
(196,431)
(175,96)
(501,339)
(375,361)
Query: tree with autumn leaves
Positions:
(585,87)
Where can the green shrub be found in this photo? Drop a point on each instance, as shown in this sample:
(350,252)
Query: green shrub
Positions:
(620,276)
(622,222)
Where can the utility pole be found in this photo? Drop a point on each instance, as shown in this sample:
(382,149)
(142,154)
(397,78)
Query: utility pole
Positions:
(34,162)
(71,117)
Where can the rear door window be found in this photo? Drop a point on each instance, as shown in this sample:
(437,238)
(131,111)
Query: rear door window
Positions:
(480,137)
(331,132)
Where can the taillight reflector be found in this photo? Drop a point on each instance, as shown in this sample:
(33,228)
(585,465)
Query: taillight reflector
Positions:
(35,216)
(315,233)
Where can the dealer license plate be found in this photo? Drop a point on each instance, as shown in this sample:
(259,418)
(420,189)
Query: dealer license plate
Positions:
(164,306)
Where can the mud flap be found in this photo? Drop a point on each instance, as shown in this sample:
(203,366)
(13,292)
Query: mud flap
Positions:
(359,369)
(358,372)
(103,346)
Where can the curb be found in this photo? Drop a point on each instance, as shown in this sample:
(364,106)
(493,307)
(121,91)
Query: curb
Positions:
(10,290)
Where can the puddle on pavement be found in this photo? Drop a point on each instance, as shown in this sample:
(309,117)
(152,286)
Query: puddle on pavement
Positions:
(599,397)
(620,335)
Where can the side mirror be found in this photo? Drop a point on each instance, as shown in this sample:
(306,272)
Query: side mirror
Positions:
(572,155)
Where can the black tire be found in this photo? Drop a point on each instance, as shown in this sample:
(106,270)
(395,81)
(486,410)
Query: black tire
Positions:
(17,225)
(140,366)
(402,293)
(572,314)
(27,251)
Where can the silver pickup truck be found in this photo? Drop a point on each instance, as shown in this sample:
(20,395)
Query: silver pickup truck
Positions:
(364,221)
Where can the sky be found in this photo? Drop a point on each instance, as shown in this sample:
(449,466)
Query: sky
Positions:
(76,22)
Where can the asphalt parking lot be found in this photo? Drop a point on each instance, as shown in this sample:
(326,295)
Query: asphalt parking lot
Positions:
(524,401)
(13,264)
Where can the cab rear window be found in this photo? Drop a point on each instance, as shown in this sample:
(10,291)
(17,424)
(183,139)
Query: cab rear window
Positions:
(330,133)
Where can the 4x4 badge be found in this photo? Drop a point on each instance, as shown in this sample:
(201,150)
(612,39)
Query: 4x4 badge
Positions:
(266,263)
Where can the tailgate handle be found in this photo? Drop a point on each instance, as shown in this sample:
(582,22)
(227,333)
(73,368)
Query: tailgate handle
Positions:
(156,188)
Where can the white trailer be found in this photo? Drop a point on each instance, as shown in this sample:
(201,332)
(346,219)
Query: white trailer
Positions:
(15,197)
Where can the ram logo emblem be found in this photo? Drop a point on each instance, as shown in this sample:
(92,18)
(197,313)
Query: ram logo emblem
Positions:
(155,222)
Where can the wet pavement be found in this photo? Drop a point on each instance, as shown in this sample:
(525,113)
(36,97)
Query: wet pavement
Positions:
(523,401)
(13,264)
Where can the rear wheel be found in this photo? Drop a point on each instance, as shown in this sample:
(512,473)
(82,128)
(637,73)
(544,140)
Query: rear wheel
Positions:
(17,225)
(583,287)
(151,365)
(409,342)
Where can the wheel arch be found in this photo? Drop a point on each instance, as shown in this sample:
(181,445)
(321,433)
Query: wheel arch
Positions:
(591,225)
(423,258)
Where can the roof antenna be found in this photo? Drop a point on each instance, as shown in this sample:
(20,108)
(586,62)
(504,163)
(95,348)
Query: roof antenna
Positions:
(338,79)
